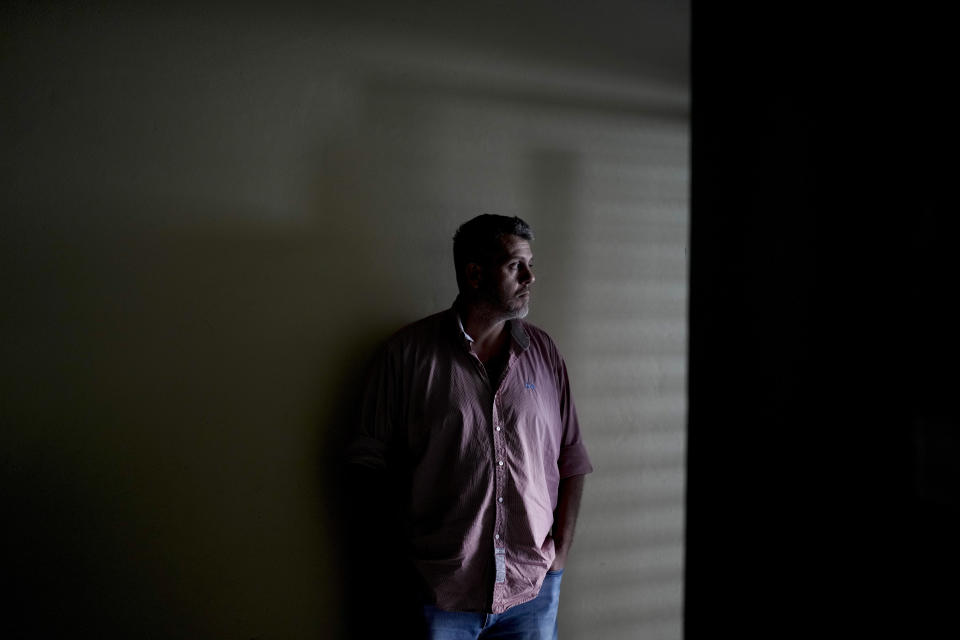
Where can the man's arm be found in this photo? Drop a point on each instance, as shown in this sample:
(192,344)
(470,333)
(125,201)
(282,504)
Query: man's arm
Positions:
(565,517)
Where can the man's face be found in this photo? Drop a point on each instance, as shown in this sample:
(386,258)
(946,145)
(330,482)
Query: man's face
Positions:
(506,281)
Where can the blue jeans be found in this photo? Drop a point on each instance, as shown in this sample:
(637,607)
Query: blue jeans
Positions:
(533,620)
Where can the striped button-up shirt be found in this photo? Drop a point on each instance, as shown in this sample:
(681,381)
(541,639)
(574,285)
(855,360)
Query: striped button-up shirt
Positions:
(482,458)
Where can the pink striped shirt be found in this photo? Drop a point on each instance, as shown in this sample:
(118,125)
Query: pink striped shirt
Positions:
(483,460)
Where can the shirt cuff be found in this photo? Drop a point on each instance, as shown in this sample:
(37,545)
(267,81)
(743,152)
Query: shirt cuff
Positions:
(367,452)
(574,461)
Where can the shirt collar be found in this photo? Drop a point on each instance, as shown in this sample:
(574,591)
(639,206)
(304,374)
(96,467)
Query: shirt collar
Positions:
(519,334)
(517,331)
(463,332)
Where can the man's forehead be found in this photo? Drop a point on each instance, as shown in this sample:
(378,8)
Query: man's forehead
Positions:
(512,245)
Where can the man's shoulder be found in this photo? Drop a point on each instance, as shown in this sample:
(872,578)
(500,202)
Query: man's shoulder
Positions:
(419,332)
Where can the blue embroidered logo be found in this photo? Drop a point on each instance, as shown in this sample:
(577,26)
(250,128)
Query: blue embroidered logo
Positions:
(529,385)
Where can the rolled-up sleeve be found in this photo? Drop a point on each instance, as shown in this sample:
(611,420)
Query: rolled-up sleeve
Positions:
(573,459)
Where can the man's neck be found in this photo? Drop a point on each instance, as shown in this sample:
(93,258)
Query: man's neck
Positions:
(489,332)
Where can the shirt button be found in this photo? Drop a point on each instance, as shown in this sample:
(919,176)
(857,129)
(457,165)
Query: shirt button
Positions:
(498,428)
(500,463)
(499,499)
(496,536)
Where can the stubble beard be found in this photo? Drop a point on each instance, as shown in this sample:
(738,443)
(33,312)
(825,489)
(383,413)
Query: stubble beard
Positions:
(519,311)
(522,312)
(508,309)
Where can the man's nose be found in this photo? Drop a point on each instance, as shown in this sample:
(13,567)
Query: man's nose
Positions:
(528,276)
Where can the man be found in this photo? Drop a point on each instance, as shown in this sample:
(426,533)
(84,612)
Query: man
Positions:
(470,412)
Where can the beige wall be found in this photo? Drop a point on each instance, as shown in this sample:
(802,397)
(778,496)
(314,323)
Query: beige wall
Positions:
(209,220)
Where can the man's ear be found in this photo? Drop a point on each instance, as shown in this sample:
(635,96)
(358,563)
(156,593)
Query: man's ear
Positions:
(474,274)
